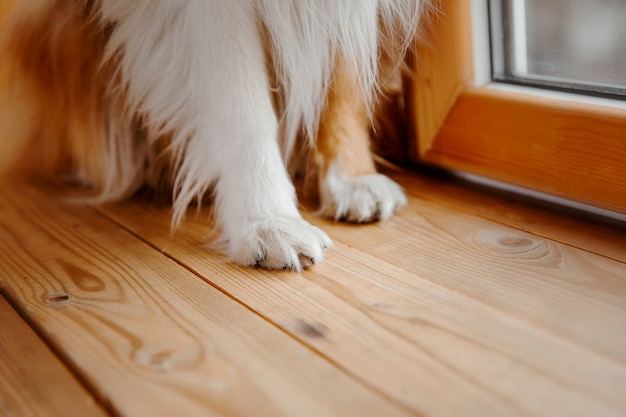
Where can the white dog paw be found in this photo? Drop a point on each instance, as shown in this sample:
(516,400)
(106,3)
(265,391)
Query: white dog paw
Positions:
(363,199)
(280,243)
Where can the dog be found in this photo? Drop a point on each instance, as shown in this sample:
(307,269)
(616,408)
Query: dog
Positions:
(211,97)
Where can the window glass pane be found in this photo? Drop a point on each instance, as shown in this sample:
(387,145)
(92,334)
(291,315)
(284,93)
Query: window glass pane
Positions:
(571,44)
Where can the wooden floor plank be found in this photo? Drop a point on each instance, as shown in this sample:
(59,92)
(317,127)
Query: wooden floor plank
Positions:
(151,338)
(576,294)
(33,382)
(447,313)
(572,228)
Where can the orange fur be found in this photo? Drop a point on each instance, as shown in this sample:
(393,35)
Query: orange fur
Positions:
(343,136)
(116,94)
(60,91)
(346,133)
(60,100)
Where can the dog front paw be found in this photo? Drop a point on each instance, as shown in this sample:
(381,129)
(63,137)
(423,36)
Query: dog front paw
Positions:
(288,243)
(363,199)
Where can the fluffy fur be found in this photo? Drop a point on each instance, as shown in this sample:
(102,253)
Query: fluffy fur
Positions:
(204,96)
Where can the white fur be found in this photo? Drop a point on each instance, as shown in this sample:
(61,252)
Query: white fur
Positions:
(360,199)
(197,69)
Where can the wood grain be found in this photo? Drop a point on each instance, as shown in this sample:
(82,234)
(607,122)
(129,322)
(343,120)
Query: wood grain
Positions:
(443,71)
(443,312)
(573,228)
(566,149)
(149,336)
(33,382)
(575,294)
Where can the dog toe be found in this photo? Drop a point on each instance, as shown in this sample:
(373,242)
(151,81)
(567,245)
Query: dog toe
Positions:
(286,243)
(364,199)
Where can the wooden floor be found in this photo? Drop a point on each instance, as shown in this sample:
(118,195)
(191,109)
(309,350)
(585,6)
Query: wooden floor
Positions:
(465,304)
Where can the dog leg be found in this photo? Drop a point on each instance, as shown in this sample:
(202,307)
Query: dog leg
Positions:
(350,189)
(209,81)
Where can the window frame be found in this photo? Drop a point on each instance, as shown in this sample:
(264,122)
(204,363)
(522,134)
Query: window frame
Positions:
(568,146)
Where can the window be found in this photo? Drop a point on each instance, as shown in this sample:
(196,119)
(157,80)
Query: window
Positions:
(465,118)
(564,44)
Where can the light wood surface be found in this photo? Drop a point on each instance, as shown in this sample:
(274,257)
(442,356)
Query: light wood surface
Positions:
(443,71)
(465,304)
(541,143)
(33,382)
(462,304)
(574,229)
(149,336)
